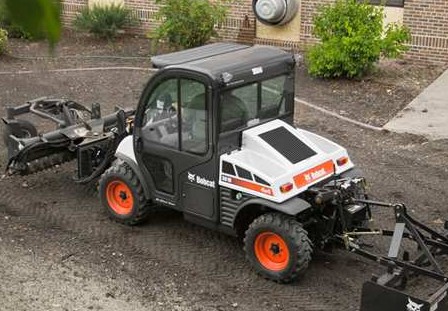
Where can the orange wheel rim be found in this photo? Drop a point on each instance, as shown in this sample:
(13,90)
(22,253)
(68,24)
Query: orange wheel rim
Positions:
(119,197)
(271,251)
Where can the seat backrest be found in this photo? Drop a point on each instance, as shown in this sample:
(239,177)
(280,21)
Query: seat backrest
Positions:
(234,112)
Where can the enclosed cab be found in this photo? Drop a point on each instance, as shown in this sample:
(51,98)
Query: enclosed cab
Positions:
(214,138)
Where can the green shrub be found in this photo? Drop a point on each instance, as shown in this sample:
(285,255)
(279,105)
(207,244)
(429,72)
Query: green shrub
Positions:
(105,21)
(3,40)
(353,39)
(188,23)
(35,19)
(14,30)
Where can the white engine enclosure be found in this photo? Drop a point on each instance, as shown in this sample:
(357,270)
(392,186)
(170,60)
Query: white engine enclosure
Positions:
(261,159)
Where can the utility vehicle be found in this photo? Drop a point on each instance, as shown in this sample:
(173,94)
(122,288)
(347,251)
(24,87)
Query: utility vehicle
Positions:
(213,137)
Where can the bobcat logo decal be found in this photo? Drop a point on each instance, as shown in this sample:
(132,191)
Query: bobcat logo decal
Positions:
(191,177)
(412,306)
(194,178)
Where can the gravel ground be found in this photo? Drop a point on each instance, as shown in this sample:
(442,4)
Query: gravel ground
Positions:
(59,251)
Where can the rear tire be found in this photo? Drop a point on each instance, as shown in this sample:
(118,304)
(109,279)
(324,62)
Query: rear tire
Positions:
(278,247)
(122,194)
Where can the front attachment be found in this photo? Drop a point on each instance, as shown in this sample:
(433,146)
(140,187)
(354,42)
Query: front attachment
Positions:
(80,133)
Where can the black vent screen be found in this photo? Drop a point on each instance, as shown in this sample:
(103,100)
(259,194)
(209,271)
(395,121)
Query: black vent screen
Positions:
(288,145)
(228,168)
(261,180)
(243,173)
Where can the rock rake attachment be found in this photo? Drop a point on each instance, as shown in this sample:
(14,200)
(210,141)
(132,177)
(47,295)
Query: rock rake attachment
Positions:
(386,292)
(80,133)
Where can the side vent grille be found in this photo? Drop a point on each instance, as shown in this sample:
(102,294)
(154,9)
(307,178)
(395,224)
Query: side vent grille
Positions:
(243,173)
(229,206)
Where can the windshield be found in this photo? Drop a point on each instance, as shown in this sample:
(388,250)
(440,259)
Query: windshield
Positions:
(254,103)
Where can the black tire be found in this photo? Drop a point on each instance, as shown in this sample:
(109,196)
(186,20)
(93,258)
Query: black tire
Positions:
(24,129)
(290,234)
(137,207)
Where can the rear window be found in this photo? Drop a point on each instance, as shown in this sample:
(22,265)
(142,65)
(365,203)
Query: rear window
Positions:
(253,103)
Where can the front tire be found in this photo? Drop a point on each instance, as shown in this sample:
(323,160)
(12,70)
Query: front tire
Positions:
(122,194)
(278,247)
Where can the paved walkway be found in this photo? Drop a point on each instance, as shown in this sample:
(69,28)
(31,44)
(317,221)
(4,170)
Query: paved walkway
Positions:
(427,114)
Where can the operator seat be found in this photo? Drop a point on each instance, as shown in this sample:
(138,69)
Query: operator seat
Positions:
(161,120)
(165,107)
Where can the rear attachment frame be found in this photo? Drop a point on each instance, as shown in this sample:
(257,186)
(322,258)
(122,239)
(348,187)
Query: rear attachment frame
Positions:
(386,292)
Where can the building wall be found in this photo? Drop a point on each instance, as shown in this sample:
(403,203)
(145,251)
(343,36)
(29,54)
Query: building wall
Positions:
(309,9)
(70,9)
(105,2)
(427,20)
(239,25)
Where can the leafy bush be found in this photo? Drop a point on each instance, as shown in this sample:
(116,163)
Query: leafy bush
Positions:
(188,23)
(105,21)
(353,39)
(36,19)
(14,30)
(3,40)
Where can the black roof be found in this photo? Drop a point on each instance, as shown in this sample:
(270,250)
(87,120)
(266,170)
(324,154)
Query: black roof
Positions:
(236,62)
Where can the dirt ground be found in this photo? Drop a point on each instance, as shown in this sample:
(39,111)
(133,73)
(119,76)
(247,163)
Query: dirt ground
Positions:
(59,251)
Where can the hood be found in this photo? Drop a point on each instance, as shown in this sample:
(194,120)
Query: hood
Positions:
(277,161)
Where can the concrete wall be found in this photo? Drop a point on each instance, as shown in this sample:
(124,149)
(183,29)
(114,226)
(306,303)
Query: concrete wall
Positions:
(393,15)
(288,32)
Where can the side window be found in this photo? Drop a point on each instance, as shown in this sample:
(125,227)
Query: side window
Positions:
(160,121)
(194,117)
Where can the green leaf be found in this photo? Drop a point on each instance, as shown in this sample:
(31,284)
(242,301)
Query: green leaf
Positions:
(37,17)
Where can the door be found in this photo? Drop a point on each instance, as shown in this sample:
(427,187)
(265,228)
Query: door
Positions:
(173,143)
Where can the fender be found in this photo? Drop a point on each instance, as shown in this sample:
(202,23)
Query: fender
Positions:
(125,152)
(134,167)
(352,173)
(290,207)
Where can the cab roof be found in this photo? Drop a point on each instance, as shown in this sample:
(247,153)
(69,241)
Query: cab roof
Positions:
(230,63)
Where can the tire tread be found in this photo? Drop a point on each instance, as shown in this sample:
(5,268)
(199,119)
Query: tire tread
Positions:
(143,206)
(295,231)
